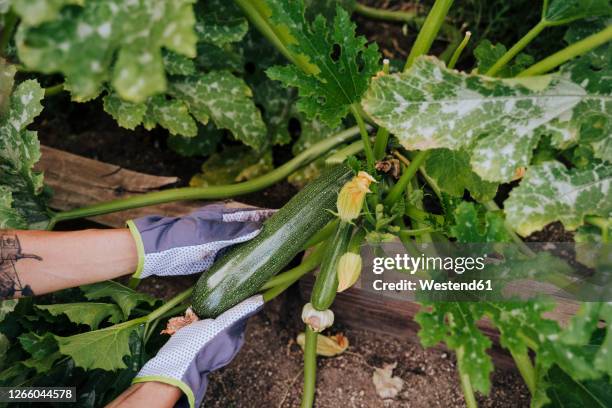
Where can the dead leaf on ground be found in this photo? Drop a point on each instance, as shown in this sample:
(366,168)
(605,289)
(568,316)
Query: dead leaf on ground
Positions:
(386,385)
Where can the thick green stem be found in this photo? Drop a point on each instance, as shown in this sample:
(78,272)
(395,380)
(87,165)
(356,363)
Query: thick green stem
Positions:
(518,47)
(523,363)
(10,21)
(399,188)
(385,15)
(466,383)
(365,138)
(459,50)
(214,192)
(54,90)
(571,51)
(382,134)
(341,155)
(160,311)
(310,368)
(292,275)
(322,234)
(429,31)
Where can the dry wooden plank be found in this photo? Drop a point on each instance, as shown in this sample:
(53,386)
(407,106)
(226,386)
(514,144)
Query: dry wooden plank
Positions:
(79,181)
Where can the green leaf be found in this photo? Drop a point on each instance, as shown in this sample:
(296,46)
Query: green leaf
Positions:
(455,324)
(110,40)
(127,114)
(89,313)
(470,228)
(22,199)
(564,391)
(452,173)
(125,297)
(203,144)
(220,22)
(34,12)
(233,165)
(226,99)
(6,307)
(339,64)
(171,114)
(38,346)
(590,122)
(177,64)
(431,106)
(7,79)
(487,54)
(103,349)
(564,11)
(549,192)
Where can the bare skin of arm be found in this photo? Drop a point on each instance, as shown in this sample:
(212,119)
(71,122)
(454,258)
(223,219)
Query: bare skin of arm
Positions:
(147,394)
(39,262)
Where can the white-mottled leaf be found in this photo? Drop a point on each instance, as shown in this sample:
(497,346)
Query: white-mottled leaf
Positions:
(431,106)
(34,12)
(22,202)
(227,100)
(550,192)
(110,40)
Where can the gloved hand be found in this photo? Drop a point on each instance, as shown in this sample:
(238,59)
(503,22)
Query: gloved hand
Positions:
(198,349)
(169,246)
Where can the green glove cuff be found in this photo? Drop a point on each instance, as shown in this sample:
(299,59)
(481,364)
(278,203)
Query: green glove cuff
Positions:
(171,381)
(139,248)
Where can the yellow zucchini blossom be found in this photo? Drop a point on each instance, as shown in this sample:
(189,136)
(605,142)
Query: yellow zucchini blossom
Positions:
(349,269)
(352,194)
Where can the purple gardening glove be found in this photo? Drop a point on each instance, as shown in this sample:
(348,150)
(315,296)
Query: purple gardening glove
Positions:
(169,246)
(198,349)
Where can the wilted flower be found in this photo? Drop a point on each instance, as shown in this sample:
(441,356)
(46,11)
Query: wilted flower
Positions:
(327,346)
(179,322)
(351,196)
(349,269)
(317,320)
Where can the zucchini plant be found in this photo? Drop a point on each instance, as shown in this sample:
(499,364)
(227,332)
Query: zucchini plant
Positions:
(487,154)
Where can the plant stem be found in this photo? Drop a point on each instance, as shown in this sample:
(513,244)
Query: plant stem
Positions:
(429,31)
(54,90)
(292,275)
(213,192)
(523,363)
(516,48)
(10,20)
(385,15)
(341,155)
(160,311)
(466,383)
(459,50)
(310,367)
(382,134)
(569,52)
(365,137)
(399,188)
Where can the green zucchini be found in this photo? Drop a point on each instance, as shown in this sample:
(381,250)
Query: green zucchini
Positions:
(326,284)
(244,269)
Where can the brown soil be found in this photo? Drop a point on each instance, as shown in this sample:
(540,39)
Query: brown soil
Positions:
(268,371)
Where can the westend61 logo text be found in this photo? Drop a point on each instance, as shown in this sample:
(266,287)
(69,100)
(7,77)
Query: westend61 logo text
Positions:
(410,264)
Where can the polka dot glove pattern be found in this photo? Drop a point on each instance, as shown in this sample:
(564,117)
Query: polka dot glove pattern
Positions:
(198,349)
(170,246)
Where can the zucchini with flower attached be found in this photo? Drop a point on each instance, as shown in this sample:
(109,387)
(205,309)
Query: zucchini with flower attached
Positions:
(316,314)
(244,269)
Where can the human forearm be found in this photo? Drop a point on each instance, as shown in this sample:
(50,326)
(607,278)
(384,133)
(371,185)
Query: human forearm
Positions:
(38,262)
(147,394)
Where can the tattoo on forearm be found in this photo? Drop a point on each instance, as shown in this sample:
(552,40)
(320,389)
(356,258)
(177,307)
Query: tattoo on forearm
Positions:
(10,254)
